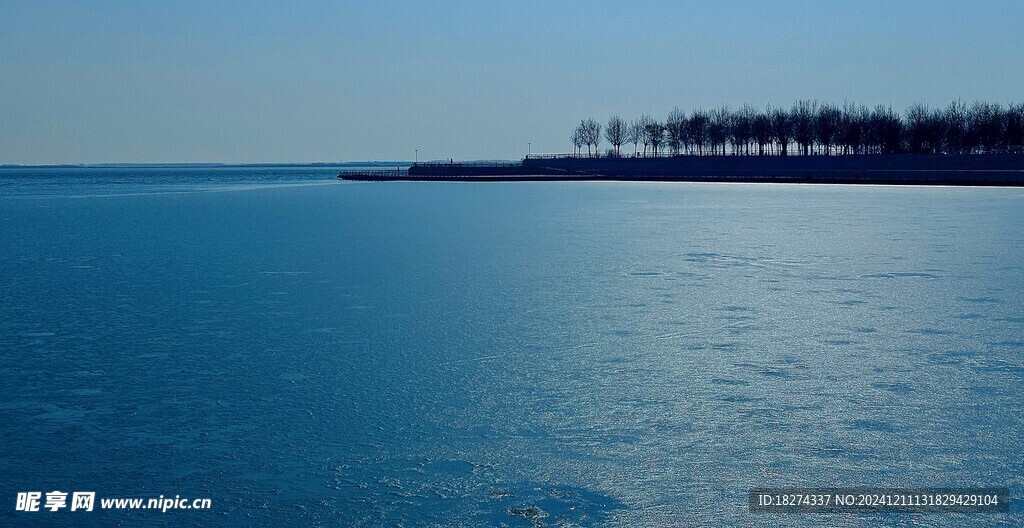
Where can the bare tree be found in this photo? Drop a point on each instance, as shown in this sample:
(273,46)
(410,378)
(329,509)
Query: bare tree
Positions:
(986,123)
(761,129)
(697,130)
(1014,129)
(589,135)
(782,129)
(918,123)
(852,128)
(616,132)
(885,131)
(741,129)
(654,135)
(640,129)
(718,128)
(636,132)
(803,124)
(578,139)
(593,137)
(827,121)
(955,127)
(675,129)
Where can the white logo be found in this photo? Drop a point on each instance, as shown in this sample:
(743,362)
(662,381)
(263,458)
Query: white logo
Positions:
(83,500)
(28,501)
(56,500)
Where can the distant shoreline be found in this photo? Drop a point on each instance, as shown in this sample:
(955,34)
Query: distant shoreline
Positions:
(208,165)
(884,169)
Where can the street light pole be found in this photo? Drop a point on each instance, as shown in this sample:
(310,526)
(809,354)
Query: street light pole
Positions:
(417,158)
(529,149)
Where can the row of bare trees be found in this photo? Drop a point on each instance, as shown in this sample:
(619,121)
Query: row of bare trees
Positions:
(811,127)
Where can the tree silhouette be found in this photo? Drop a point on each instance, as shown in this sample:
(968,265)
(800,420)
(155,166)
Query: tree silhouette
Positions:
(782,129)
(675,130)
(644,122)
(578,136)
(918,128)
(636,132)
(761,130)
(987,125)
(741,129)
(697,130)
(816,128)
(718,129)
(955,127)
(592,134)
(852,122)
(654,135)
(803,124)
(887,128)
(616,132)
(827,122)
(1014,127)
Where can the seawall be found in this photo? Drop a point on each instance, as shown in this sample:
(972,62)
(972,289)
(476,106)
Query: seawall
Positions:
(897,169)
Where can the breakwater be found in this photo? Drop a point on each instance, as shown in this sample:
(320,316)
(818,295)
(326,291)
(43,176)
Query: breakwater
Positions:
(1006,169)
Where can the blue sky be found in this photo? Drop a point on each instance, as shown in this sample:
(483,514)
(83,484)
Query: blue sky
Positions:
(223,81)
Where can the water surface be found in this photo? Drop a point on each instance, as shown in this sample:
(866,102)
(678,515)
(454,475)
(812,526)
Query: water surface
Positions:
(504,354)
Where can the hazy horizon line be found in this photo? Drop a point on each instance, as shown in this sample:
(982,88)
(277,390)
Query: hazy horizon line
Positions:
(130,164)
(199,164)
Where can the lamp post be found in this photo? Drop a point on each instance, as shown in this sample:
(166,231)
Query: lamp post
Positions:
(416,159)
(529,149)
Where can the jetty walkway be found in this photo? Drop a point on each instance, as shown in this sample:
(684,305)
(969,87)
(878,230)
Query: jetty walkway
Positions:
(880,169)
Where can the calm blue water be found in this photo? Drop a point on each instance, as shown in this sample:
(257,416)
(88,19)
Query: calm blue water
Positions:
(309,352)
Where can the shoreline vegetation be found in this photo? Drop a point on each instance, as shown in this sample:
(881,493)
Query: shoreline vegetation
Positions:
(988,169)
(811,127)
(811,142)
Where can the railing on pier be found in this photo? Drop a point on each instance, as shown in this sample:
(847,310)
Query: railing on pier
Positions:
(373,174)
(466,164)
(793,150)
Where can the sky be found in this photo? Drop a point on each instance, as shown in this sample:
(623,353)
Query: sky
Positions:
(295,81)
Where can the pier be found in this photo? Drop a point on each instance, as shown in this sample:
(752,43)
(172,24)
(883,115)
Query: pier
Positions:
(1006,169)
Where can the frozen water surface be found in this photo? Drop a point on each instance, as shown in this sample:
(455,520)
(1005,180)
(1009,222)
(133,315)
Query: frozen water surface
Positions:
(445,354)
